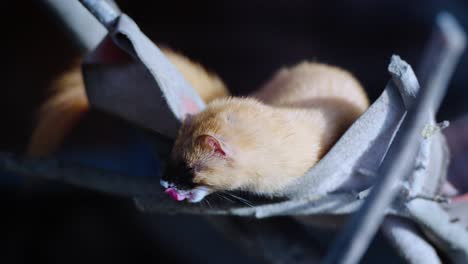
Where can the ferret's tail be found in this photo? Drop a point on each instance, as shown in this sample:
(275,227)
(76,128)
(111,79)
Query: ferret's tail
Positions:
(68,103)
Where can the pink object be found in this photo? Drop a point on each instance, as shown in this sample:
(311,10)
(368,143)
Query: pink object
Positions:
(174,194)
(189,105)
(461,198)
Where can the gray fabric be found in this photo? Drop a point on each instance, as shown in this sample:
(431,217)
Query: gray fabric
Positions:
(408,241)
(83,28)
(451,237)
(128,76)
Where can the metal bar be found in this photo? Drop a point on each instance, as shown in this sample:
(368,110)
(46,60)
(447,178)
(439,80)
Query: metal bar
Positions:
(354,240)
(446,46)
(104,11)
(80,25)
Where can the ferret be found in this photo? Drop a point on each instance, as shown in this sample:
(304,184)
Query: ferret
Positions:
(258,144)
(263,143)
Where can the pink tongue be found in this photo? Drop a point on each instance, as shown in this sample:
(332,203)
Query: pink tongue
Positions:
(174,194)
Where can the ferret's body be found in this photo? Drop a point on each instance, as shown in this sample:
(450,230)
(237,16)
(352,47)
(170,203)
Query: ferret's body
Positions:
(330,97)
(259,144)
(262,145)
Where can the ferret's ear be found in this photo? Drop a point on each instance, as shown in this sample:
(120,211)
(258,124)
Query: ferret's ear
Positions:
(211,143)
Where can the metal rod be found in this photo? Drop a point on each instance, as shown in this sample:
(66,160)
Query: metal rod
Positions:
(104,11)
(78,23)
(355,239)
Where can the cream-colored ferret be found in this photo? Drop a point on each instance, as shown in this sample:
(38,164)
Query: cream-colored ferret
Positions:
(258,144)
(263,143)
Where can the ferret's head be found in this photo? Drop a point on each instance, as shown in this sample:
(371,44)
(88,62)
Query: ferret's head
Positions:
(208,152)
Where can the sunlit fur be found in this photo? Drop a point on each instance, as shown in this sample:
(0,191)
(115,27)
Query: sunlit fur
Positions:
(68,103)
(274,139)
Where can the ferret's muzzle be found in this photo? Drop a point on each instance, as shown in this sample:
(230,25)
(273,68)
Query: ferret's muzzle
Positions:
(179,175)
(178,183)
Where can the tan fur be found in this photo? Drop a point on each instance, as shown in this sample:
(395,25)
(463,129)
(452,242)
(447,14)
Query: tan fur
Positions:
(68,103)
(208,85)
(274,139)
(59,114)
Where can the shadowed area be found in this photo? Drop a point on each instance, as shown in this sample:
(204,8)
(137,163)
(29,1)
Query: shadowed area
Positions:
(243,41)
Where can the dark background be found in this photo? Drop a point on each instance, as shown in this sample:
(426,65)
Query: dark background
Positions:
(244,42)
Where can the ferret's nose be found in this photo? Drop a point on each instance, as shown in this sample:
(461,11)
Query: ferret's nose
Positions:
(178,174)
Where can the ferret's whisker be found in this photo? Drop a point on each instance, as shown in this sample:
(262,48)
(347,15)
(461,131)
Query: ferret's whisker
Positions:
(224,197)
(209,204)
(245,201)
(202,204)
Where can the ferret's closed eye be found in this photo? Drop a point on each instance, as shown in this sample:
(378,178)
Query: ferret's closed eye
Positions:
(188,170)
